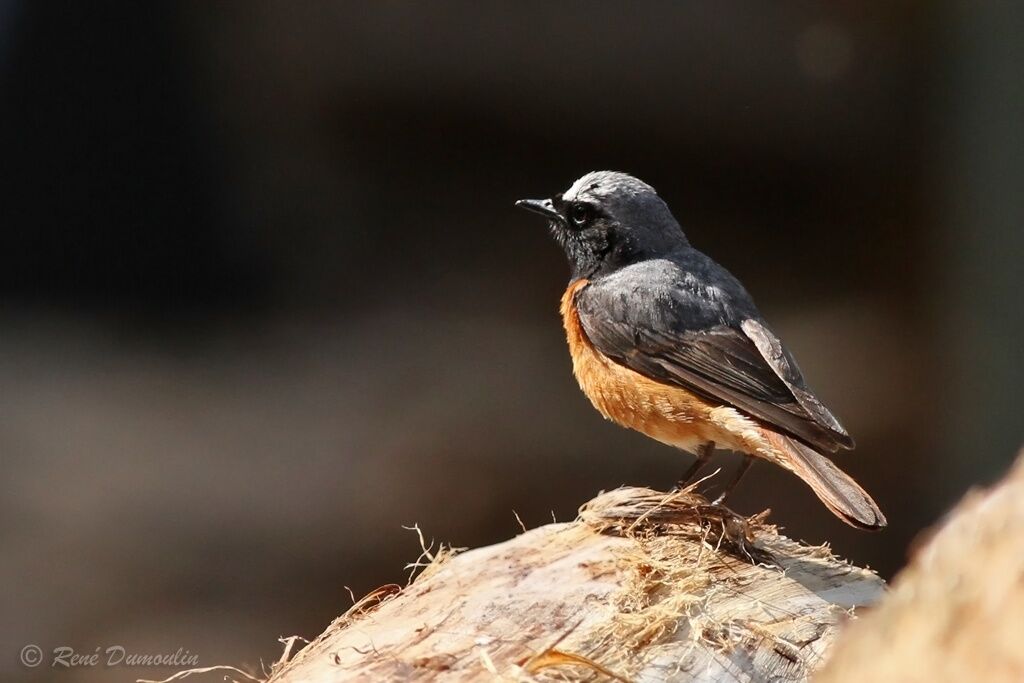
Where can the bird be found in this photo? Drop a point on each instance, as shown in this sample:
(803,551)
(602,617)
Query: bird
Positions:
(667,342)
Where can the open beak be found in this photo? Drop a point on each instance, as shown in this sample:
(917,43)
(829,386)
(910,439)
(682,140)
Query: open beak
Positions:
(542,206)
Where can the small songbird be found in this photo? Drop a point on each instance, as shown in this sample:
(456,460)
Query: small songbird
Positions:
(667,342)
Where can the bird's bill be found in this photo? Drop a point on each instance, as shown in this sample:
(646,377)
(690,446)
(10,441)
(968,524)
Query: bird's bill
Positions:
(544,207)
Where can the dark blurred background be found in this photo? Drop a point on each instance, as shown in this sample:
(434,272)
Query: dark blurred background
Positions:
(265,298)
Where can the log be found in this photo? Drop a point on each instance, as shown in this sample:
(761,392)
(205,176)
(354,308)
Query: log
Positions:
(642,586)
(956,613)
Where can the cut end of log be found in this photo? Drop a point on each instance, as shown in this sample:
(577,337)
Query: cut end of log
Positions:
(643,586)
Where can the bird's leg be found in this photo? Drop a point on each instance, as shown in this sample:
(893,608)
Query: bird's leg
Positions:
(704,453)
(744,466)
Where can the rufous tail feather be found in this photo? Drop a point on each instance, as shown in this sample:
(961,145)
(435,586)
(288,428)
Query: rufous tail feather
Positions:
(836,489)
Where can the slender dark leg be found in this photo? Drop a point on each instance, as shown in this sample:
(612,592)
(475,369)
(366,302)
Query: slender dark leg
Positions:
(704,454)
(744,466)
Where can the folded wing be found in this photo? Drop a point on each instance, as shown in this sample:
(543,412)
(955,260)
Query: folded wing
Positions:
(739,362)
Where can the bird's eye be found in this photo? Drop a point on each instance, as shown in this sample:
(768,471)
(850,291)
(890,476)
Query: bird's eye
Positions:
(580,213)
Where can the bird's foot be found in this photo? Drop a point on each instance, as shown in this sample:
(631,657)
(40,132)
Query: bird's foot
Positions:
(737,531)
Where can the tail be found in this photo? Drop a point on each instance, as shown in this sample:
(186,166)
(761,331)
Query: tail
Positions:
(841,494)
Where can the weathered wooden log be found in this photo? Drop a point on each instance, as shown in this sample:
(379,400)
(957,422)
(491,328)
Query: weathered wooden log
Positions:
(643,586)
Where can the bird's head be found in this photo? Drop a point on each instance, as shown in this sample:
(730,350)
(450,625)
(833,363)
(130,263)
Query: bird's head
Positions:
(608,220)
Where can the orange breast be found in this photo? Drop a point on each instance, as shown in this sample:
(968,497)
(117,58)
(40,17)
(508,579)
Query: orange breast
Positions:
(667,413)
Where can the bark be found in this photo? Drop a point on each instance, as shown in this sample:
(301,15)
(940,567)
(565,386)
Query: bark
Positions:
(641,587)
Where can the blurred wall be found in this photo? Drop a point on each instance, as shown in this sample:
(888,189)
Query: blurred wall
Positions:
(266,299)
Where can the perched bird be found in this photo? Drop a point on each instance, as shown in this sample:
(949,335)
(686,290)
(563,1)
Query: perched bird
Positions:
(667,342)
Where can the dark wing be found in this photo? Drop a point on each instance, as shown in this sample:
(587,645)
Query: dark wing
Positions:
(672,334)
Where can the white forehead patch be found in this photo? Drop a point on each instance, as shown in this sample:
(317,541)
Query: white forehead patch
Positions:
(603,184)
